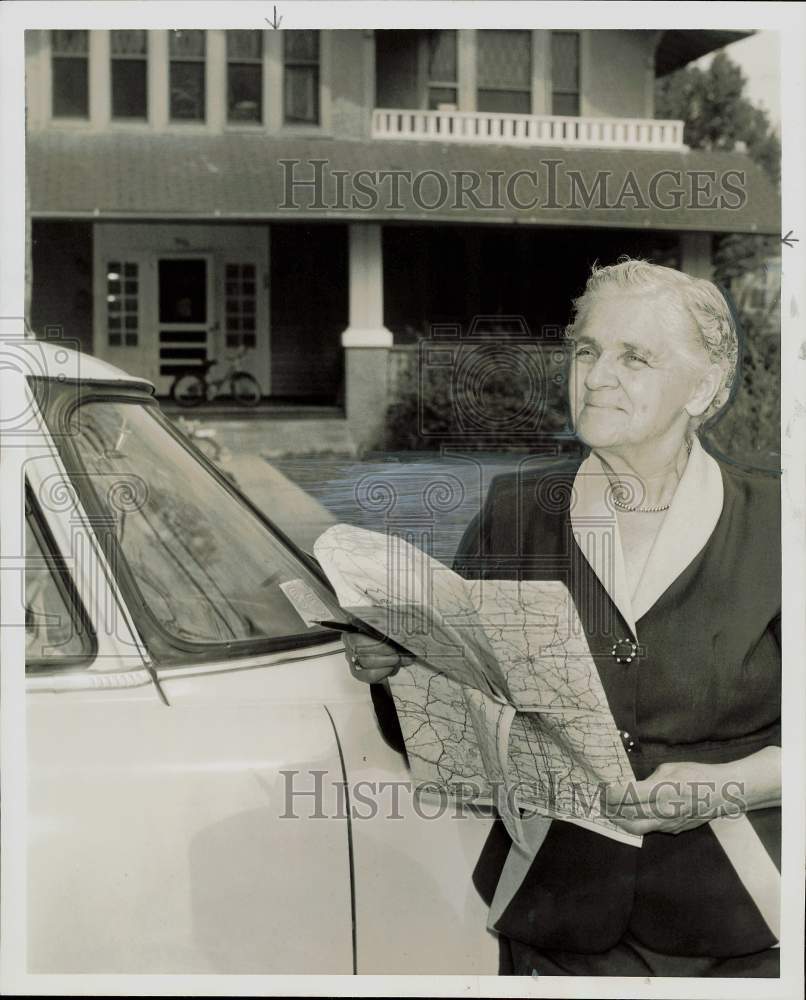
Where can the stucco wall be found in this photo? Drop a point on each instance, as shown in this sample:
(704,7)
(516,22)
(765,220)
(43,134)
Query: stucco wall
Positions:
(352,79)
(618,73)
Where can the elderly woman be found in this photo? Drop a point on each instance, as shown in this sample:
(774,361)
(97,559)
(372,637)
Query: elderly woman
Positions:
(673,561)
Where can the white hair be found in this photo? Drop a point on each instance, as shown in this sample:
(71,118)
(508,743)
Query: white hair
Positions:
(699,300)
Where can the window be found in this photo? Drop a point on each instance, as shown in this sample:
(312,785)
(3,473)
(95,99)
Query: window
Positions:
(565,72)
(504,71)
(245,76)
(56,628)
(187,84)
(241,301)
(301,77)
(208,572)
(70,74)
(122,313)
(129,73)
(442,69)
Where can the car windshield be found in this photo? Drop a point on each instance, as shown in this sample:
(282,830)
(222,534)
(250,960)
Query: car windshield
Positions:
(208,569)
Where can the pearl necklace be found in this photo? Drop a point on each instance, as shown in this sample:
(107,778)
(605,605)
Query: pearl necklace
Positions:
(628,509)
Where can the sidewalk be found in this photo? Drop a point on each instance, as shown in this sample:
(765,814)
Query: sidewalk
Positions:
(293,510)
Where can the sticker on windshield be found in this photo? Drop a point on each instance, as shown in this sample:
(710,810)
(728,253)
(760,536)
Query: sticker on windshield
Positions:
(304,601)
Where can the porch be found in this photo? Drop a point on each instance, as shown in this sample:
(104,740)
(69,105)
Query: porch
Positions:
(242,237)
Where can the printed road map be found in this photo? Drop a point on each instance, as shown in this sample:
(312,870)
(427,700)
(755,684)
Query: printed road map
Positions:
(504,703)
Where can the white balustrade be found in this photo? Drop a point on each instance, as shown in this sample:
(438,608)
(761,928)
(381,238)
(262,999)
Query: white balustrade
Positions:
(537,130)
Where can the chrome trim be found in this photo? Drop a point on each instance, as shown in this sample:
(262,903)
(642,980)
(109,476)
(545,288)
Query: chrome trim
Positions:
(94,680)
(87,680)
(252,662)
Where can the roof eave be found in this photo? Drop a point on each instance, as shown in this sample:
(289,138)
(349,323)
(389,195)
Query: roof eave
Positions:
(678,48)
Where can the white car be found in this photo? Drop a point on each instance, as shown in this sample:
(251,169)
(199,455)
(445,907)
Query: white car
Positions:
(180,714)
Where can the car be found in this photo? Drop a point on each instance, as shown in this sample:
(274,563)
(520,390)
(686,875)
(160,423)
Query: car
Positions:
(209,790)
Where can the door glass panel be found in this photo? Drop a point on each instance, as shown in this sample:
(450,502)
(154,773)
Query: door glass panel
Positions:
(208,570)
(504,60)
(565,104)
(240,304)
(565,72)
(442,56)
(504,71)
(183,291)
(508,101)
(122,308)
(565,61)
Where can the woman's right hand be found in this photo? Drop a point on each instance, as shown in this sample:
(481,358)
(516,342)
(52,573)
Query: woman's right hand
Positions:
(370,660)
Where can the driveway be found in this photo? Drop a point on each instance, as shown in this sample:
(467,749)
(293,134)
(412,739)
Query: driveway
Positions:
(429,498)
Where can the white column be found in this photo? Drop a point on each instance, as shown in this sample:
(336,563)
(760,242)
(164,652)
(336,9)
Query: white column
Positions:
(695,254)
(366,327)
(366,340)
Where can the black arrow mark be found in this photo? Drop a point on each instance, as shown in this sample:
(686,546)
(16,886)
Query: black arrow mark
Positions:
(275,22)
(789,239)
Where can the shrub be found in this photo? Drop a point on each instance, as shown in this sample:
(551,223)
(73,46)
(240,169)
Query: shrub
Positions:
(485,405)
(749,429)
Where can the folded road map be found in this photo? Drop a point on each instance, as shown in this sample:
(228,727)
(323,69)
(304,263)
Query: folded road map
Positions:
(504,703)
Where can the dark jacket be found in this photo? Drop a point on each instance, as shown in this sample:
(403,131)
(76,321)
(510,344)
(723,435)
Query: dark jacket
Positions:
(705,687)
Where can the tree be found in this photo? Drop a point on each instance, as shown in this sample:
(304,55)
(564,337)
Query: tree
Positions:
(716,112)
(719,116)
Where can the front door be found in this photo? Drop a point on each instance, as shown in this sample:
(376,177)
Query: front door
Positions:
(168,296)
(185,313)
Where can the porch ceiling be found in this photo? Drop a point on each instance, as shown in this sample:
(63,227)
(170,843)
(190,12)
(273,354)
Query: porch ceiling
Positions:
(240,177)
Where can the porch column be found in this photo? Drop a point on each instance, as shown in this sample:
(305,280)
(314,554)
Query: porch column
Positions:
(366,341)
(695,254)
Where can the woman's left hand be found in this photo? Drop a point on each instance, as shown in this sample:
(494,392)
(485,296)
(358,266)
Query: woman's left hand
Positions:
(681,796)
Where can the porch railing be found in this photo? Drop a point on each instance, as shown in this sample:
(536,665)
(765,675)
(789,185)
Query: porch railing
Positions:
(537,130)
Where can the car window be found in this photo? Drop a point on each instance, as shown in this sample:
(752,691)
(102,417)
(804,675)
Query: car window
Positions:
(207,568)
(56,630)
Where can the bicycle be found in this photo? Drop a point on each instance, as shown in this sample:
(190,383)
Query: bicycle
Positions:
(194,386)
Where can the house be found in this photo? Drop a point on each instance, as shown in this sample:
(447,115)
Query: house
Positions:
(325,198)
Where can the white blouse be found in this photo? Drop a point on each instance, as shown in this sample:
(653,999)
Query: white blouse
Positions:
(687,526)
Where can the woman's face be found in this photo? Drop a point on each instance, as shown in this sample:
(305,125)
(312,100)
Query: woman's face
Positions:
(635,365)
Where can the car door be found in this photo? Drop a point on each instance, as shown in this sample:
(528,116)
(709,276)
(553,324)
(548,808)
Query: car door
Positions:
(160,835)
